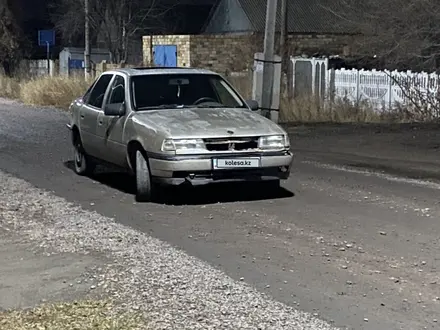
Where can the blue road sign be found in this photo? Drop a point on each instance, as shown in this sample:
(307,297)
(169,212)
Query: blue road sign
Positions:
(46,37)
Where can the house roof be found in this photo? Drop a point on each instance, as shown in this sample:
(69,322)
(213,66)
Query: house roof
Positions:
(304,16)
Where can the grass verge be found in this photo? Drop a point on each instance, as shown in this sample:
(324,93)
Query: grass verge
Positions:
(58,91)
(308,109)
(9,87)
(82,315)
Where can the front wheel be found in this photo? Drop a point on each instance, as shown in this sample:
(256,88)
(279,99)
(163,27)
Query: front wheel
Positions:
(82,163)
(145,189)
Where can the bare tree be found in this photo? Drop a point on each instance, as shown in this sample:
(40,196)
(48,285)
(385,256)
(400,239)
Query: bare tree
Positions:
(10,37)
(114,22)
(401,33)
(68,17)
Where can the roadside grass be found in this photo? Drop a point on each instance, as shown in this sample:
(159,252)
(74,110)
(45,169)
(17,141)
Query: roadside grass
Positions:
(84,315)
(308,109)
(311,110)
(60,91)
(57,91)
(9,87)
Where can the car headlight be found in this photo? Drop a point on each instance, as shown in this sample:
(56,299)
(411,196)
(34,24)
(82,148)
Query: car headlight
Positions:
(273,142)
(183,145)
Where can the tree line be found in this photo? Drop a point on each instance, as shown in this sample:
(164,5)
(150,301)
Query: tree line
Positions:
(401,34)
(115,23)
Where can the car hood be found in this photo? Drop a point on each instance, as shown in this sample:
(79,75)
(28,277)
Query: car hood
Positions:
(207,122)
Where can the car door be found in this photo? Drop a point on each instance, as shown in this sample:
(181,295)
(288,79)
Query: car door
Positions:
(89,112)
(110,128)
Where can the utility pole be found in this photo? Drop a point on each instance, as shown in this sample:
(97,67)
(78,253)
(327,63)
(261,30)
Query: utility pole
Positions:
(268,64)
(87,68)
(283,36)
(286,72)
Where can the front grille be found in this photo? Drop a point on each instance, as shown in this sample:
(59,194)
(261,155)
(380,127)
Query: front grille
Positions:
(231,144)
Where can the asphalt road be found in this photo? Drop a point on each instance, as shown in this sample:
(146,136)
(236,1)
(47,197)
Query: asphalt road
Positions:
(351,247)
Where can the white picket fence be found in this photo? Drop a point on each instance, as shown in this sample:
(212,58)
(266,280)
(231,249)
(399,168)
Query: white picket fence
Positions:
(38,67)
(382,89)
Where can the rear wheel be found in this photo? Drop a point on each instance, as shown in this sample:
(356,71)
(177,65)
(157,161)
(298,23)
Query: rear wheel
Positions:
(145,189)
(83,165)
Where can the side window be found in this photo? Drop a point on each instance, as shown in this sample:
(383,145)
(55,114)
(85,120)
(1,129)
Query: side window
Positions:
(226,96)
(97,94)
(87,93)
(117,94)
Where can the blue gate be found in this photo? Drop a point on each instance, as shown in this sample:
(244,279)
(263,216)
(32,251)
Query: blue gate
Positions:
(165,55)
(76,64)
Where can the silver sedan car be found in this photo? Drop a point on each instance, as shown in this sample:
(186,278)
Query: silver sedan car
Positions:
(169,126)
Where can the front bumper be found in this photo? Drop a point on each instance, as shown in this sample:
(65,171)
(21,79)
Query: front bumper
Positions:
(198,169)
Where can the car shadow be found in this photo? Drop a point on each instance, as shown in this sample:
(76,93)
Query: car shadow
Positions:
(187,194)
(112,178)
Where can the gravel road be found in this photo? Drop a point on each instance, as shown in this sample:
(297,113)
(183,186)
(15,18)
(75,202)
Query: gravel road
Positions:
(174,290)
(356,249)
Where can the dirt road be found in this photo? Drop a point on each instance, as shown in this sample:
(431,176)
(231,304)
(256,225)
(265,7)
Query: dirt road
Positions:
(354,248)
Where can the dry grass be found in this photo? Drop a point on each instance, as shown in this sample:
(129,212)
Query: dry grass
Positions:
(52,91)
(56,91)
(9,87)
(84,315)
(310,110)
(60,91)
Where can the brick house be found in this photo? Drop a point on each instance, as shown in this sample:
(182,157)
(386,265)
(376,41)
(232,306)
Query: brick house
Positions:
(176,17)
(234,31)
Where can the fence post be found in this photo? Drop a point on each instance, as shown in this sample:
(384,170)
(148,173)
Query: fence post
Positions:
(293,80)
(101,67)
(313,62)
(290,78)
(358,82)
(390,89)
(330,90)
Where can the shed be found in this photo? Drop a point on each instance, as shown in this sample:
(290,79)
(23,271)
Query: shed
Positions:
(72,58)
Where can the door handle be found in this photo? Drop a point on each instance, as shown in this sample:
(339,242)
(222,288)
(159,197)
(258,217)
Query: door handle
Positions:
(82,116)
(100,122)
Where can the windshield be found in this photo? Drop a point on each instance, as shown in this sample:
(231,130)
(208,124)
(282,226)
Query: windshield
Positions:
(183,90)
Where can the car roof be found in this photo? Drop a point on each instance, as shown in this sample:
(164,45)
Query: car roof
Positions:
(141,71)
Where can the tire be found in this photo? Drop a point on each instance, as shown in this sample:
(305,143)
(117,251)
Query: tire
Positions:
(145,189)
(83,165)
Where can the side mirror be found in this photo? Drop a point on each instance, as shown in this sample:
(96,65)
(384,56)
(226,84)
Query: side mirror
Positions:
(115,109)
(252,104)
